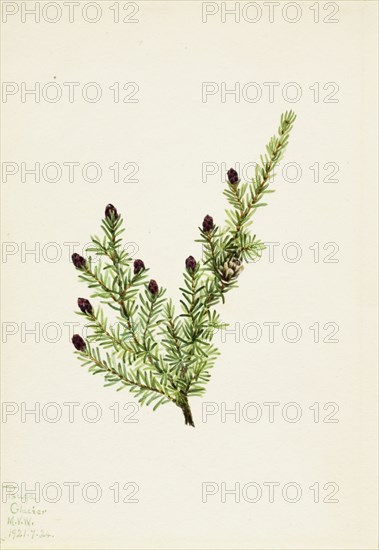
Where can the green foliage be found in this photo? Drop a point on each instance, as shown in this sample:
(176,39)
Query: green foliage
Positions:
(159,355)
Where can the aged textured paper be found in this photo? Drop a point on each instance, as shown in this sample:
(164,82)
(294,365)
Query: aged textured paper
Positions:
(146,105)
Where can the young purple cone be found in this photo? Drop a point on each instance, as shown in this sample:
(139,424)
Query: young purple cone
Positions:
(78,342)
(232,176)
(190,263)
(78,261)
(138,266)
(153,287)
(208,224)
(85,305)
(109,210)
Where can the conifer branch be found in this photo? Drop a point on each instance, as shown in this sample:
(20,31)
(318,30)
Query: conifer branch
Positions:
(160,356)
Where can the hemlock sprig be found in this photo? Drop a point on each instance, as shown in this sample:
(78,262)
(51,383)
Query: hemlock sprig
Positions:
(160,355)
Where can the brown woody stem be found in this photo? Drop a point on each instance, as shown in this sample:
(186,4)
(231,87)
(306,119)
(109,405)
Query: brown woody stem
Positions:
(184,405)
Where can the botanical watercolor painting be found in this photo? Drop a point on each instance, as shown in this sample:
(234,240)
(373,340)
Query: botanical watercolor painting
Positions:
(159,355)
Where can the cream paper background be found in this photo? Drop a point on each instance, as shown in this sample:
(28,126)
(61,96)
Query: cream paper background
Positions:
(170,133)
